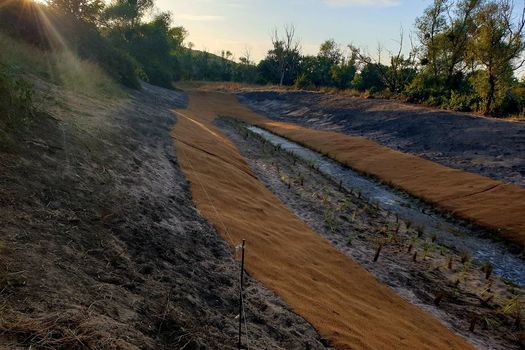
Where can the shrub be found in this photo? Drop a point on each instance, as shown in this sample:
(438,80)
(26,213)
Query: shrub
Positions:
(16,97)
(461,102)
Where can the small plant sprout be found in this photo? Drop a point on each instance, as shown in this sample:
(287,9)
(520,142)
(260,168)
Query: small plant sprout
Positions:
(487,268)
(473,322)
(325,197)
(354,214)
(439,297)
(514,307)
(450,263)
(330,220)
(488,322)
(420,231)
(411,242)
(349,239)
(408,224)
(428,247)
(465,257)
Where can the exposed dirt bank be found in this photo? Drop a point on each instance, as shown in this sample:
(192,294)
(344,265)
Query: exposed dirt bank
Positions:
(357,228)
(341,299)
(101,246)
(490,147)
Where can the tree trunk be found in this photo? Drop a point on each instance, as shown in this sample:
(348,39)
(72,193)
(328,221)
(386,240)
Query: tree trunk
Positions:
(490,93)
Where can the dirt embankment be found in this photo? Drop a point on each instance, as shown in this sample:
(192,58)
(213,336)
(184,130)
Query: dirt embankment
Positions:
(490,147)
(341,299)
(101,245)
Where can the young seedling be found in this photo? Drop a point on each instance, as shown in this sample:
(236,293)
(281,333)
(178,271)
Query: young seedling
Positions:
(411,242)
(349,239)
(439,297)
(420,231)
(487,269)
(330,220)
(473,321)
(465,257)
(514,307)
(427,248)
(450,263)
(488,322)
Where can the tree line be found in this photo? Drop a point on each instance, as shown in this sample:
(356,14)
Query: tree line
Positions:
(463,55)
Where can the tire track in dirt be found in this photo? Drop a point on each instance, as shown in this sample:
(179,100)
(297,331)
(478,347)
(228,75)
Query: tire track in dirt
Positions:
(341,299)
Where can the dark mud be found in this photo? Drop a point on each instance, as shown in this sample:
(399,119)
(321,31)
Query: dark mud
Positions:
(101,245)
(490,147)
(440,280)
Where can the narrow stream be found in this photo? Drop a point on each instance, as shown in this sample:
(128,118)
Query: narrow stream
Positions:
(449,233)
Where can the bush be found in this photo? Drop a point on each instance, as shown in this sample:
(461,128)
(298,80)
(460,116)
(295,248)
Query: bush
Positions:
(16,106)
(16,99)
(461,102)
(18,19)
(303,82)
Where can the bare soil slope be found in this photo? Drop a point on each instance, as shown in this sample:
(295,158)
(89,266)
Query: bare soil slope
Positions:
(100,243)
(490,147)
(339,297)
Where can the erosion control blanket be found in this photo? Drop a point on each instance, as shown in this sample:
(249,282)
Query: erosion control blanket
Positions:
(345,303)
(475,198)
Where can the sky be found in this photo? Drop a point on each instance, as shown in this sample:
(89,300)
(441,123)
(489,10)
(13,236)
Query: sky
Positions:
(241,25)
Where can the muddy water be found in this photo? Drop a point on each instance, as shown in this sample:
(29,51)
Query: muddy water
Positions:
(408,208)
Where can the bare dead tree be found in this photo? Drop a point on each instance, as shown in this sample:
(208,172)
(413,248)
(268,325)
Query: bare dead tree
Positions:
(394,74)
(284,47)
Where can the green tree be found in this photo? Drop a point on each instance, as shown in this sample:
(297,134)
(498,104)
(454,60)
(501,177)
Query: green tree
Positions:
(496,46)
(84,10)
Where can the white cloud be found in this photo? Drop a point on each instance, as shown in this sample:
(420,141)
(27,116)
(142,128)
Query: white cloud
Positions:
(197,18)
(378,3)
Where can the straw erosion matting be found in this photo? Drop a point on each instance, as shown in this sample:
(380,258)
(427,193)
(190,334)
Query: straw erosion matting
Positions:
(342,300)
(486,202)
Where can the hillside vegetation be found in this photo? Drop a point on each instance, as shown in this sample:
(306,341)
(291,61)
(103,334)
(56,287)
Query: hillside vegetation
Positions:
(464,55)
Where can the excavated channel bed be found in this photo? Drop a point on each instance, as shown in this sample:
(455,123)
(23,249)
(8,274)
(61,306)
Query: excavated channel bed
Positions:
(448,231)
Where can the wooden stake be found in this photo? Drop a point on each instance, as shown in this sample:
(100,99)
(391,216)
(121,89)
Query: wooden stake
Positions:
(241,295)
(378,252)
